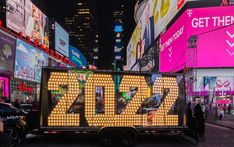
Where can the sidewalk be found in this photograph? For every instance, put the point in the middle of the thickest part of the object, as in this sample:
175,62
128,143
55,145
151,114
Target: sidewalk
228,121
227,124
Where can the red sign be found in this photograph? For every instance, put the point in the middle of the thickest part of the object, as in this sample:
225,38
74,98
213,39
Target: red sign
180,4
24,87
223,101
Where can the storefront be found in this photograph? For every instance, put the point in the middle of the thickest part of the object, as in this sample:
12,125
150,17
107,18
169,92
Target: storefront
24,91
214,88
7,57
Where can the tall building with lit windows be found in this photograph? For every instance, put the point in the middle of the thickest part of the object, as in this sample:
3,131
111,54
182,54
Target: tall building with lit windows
82,28
118,35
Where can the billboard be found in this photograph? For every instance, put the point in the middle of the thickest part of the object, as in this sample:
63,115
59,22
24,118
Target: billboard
61,40
7,52
223,47
77,57
209,26
157,14
15,15
29,61
23,16
173,45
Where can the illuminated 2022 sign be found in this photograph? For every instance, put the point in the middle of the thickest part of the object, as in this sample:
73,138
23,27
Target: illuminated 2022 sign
60,117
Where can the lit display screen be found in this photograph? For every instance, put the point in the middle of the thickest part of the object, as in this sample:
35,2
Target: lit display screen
61,40
154,18
23,16
138,100
29,61
209,26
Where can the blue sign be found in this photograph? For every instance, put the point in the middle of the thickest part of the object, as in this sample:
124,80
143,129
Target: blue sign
29,61
118,28
77,57
61,40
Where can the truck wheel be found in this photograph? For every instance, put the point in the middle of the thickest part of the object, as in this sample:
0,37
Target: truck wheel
12,133
106,137
128,137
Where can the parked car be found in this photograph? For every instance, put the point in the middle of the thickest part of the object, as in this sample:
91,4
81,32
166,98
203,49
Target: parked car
14,121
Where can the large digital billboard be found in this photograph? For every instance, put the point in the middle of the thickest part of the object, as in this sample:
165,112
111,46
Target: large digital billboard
7,52
61,40
23,16
212,26
155,17
216,49
15,15
77,57
173,46
29,61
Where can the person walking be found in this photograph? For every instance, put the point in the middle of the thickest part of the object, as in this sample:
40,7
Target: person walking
189,115
229,109
199,115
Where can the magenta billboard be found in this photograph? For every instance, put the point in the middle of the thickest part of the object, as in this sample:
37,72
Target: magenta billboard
216,49
215,45
173,47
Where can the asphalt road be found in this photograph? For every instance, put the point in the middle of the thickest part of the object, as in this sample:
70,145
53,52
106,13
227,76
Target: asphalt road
215,137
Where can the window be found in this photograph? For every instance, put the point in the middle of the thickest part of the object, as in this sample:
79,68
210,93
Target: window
4,108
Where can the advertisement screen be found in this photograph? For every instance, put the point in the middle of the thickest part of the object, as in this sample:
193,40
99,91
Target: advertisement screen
29,62
7,52
61,40
212,24
23,16
173,46
52,62
15,15
77,57
218,54
155,17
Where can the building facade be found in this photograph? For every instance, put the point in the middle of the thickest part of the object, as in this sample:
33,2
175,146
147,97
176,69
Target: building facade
82,28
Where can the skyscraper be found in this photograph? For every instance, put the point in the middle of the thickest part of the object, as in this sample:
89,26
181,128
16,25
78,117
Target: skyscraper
78,18
118,24
82,27
123,25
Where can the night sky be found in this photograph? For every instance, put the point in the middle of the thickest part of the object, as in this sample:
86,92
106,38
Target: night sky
58,9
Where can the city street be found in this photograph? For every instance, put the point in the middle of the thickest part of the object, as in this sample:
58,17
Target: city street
215,136
134,72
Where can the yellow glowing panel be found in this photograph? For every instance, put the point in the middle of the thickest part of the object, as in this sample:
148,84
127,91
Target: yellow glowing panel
93,81
58,116
161,117
129,116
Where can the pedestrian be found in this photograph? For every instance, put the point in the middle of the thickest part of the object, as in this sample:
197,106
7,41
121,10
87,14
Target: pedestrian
189,115
221,114
229,109
199,115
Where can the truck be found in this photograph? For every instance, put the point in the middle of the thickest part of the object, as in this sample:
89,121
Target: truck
114,105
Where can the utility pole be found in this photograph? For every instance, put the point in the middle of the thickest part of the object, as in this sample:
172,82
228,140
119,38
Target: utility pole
192,58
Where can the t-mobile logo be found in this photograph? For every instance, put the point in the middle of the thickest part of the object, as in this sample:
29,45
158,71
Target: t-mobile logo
190,12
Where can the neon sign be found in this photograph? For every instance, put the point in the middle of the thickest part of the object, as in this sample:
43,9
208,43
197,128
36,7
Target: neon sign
23,87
